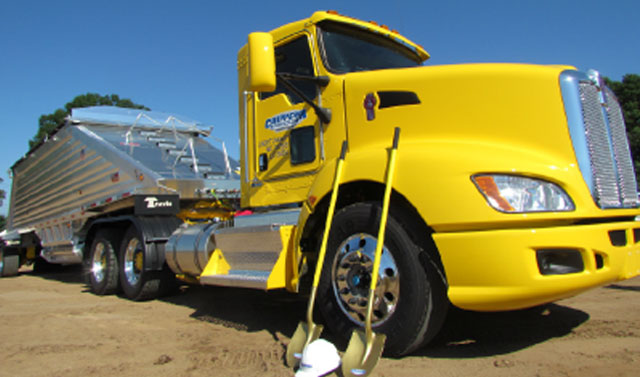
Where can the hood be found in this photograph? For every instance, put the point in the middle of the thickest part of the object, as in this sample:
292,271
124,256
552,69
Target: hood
498,104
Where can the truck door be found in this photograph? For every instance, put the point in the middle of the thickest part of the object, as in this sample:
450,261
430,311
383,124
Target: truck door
287,131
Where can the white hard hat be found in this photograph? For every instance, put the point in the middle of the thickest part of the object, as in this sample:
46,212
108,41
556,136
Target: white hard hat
318,358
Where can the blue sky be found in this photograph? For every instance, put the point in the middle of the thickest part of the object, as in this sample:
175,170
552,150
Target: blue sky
180,57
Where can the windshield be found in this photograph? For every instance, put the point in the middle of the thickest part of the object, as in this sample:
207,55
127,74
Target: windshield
350,49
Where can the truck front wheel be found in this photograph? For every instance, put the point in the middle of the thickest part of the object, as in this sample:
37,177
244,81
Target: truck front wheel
103,263
410,298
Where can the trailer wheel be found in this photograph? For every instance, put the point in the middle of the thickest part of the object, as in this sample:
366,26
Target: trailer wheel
137,284
103,263
9,264
410,299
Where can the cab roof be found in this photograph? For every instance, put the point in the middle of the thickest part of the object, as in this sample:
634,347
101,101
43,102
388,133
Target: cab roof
372,26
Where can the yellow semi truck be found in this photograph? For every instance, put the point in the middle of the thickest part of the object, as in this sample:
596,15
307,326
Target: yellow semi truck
514,187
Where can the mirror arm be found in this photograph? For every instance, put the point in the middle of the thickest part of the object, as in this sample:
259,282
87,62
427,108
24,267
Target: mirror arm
321,81
323,113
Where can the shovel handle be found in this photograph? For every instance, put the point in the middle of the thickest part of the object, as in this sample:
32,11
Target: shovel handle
332,207
396,138
327,228
383,225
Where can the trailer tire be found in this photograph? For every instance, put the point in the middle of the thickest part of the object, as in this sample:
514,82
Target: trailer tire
411,298
9,264
138,284
103,263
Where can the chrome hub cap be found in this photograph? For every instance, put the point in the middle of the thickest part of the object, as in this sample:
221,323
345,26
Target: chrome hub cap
99,263
351,280
133,260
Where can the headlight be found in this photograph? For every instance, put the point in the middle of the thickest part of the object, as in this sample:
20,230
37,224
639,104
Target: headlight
514,194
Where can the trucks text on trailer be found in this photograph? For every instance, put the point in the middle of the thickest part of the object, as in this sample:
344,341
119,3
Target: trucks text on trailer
514,185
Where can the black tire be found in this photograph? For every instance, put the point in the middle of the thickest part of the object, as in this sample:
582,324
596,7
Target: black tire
9,263
138,284
102,265
412,293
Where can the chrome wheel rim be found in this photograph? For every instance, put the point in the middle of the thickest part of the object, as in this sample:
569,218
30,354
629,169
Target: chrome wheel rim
351,280
133,260
99,263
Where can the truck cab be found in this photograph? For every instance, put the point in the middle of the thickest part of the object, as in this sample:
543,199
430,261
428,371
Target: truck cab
285,142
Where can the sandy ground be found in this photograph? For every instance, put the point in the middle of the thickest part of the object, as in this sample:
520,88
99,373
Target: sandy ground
50,325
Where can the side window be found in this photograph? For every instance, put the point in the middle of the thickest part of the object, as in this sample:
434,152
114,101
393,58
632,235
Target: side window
303,147
294,57
302,143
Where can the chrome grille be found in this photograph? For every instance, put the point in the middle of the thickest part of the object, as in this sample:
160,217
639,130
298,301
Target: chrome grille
622,153
599,139
602,166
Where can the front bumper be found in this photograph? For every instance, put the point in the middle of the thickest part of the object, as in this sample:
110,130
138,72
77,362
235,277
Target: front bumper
498,269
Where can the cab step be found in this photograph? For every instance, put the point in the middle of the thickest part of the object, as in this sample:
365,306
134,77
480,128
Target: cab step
239,278
251,255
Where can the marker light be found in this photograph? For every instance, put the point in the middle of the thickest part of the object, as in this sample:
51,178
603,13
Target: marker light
516,194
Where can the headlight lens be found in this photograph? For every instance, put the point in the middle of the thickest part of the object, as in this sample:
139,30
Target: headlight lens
516,194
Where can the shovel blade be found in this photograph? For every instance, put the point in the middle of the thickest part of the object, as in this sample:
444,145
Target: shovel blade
305,333
362,354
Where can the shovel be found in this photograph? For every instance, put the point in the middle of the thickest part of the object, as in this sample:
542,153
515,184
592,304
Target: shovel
365,348
309,331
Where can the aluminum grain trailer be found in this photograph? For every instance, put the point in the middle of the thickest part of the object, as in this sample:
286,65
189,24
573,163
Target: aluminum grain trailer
115,181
